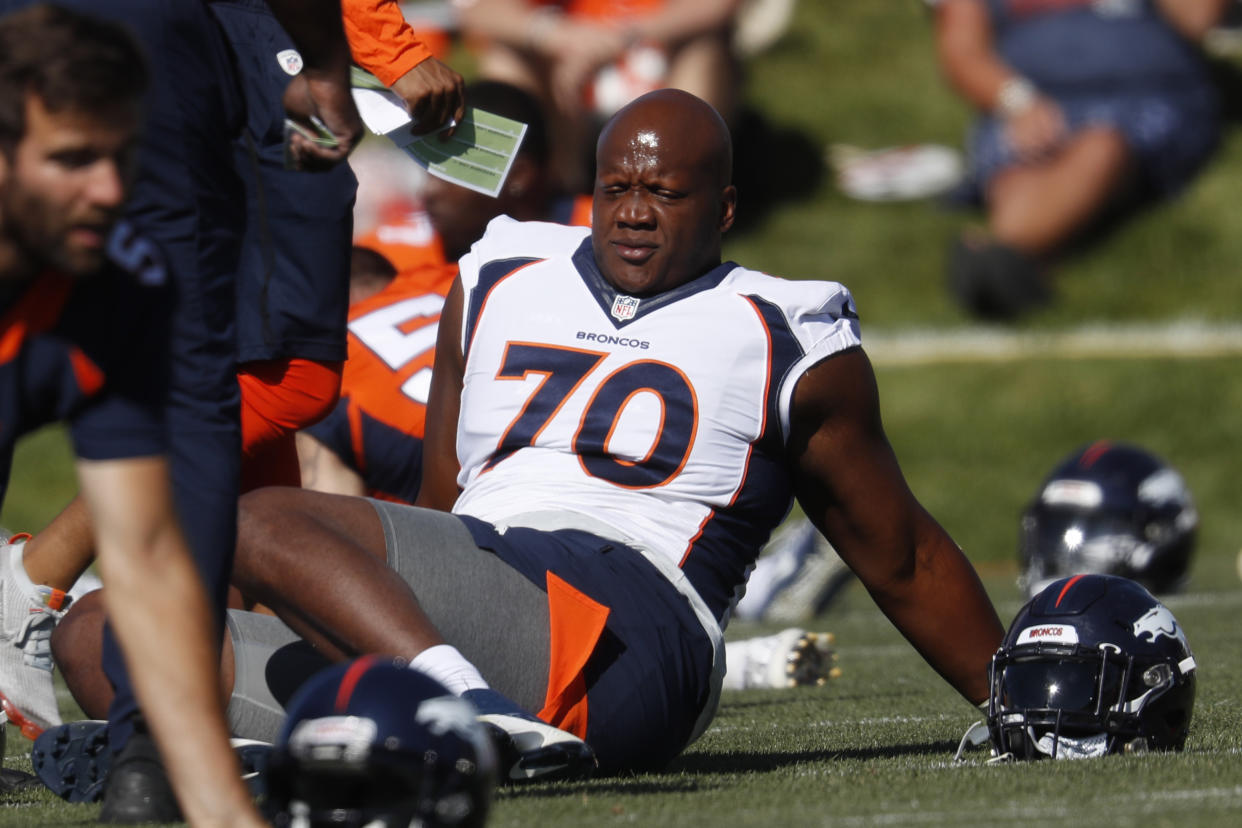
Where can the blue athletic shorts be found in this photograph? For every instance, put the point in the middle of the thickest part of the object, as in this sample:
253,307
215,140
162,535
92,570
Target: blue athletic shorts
647,677
1170,136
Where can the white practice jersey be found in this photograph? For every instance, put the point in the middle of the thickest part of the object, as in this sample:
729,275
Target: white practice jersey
663,417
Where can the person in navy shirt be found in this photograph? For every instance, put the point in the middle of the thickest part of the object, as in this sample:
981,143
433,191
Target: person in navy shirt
82,306
1085,105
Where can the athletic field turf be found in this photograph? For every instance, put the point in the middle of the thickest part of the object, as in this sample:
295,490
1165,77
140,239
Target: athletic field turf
1142,345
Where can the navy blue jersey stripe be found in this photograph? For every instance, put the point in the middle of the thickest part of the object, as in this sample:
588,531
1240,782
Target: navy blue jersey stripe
731,538
785,353
490,274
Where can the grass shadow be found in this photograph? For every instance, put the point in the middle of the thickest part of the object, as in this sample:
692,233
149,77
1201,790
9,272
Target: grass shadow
772,164
760,762
696,772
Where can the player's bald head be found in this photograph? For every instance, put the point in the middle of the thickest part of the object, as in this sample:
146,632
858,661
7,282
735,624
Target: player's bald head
671,116
662,193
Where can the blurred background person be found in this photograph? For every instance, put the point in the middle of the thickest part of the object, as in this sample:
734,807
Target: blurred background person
585,59
1085,105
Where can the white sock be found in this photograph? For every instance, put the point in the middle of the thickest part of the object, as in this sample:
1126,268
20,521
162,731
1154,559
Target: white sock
449,667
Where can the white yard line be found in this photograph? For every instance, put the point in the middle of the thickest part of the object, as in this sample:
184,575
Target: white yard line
1147,803
1178,339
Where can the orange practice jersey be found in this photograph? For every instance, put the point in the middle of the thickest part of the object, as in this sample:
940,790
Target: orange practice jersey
606,9
391,342
380,39
392,338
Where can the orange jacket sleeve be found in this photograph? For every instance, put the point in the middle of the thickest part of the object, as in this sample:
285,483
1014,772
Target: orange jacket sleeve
380,39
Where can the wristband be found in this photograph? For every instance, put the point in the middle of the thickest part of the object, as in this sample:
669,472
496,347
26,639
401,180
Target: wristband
1016,94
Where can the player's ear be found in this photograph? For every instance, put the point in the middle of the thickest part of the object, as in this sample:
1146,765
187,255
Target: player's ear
522,178
728,206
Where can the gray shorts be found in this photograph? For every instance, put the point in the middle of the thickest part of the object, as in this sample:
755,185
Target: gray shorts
489,611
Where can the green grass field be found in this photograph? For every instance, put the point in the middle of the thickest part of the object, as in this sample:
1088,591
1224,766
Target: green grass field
875,746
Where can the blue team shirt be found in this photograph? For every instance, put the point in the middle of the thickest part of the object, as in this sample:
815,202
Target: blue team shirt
91,351
1092,47
1115,63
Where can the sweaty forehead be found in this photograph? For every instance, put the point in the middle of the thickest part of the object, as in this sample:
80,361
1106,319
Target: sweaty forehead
667,130
648,148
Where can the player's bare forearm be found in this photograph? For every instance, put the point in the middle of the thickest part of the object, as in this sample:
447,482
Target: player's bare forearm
850,485
321,91
967,54
680,20
1193,18
158,606
941,608
323,471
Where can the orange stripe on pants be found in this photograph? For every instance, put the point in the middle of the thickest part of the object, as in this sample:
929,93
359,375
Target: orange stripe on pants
577,622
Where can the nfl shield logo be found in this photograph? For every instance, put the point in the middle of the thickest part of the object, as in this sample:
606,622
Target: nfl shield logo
624,307
290,61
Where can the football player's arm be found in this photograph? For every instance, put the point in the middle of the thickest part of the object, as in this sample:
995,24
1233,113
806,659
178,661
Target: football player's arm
1034,122
967,55
159,608
848,482
322,88
440,467
324,471
676,21
1193,18
572,46
384,44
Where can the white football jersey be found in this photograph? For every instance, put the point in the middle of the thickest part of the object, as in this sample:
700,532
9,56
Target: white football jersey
663,417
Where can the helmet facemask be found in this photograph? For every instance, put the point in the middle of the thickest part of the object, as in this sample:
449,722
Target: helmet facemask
1075,701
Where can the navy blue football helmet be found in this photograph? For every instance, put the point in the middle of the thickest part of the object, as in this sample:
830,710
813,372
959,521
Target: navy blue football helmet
1109,508
374,743
1093,664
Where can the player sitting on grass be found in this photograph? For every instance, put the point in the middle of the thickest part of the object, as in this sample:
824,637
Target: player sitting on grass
617,422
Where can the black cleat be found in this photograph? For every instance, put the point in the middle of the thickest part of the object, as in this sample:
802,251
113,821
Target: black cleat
138,789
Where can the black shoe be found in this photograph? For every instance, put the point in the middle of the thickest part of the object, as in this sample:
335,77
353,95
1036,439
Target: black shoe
138,789
994,281
12,779
73,759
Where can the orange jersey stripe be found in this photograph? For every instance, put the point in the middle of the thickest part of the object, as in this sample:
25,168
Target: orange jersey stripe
37,311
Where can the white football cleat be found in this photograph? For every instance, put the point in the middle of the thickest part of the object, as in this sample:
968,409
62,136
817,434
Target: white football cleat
789,658
530,749
28,614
